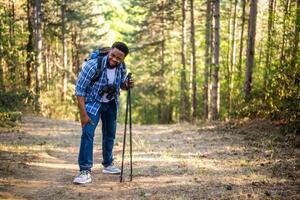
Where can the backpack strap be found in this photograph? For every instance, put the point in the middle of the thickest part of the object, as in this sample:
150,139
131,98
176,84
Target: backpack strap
99,70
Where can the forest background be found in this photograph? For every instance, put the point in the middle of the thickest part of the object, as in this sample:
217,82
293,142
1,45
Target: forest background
191,60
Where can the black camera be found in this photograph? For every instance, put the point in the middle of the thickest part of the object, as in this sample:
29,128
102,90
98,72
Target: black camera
110,89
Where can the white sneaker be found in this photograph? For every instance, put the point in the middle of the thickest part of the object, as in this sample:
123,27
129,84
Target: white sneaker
111,170
83,177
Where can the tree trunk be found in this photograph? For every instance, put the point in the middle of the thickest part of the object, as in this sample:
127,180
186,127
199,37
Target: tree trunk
250,49
243,17
46,65
295,50
194,75
228,61
261,49
212,41
75,49
232,60
162,108
215,88
282,54
269,44
184,105
2,88
51,66
38,51
207,58
12,48
1,72
30,45
1,75
63,41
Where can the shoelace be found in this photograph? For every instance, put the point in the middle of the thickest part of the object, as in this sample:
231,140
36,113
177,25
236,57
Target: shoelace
83,172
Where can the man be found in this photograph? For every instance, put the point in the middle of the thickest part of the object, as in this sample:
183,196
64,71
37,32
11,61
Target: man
100,101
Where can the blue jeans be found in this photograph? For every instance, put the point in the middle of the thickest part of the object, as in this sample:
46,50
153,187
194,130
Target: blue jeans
108,115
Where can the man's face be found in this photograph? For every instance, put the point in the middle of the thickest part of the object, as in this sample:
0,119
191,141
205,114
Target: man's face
115,57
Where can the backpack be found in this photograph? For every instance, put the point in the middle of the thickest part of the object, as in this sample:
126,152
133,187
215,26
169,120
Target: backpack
99,54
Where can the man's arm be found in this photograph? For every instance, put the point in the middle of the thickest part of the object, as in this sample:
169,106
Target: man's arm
83,114
85,77
83,82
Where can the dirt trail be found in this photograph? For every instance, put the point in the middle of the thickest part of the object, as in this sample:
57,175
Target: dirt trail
182,161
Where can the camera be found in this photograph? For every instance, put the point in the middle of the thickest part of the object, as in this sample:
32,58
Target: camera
110,89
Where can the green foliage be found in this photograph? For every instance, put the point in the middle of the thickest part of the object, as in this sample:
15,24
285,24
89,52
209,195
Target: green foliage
52,106
9,119
152,29
15,100
285,92
154,59
12,104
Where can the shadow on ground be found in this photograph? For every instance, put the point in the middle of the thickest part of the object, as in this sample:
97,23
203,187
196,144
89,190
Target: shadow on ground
182,161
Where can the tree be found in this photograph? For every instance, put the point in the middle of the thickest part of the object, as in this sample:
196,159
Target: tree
232,61
207,58
243,18
161,105
38,50
184,101
39,45
12,61
2,44
269,43
64,50
295,50
194,75
215,87
30,44
250,49
284,35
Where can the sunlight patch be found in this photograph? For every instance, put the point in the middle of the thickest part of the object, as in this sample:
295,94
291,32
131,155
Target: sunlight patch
58,165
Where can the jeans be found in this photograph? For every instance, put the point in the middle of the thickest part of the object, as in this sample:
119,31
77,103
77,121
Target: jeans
108,115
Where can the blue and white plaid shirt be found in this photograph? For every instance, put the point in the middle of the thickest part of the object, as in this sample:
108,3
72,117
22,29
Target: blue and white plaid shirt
91,94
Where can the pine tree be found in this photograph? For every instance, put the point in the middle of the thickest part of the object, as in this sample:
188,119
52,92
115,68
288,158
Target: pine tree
215,95
250,49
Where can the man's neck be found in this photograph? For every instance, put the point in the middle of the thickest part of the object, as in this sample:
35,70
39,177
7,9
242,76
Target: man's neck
111,67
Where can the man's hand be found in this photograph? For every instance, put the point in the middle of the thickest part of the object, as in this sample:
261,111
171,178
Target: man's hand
130,82
85,120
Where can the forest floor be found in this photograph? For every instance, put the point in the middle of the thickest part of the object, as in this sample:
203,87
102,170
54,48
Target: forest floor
232,160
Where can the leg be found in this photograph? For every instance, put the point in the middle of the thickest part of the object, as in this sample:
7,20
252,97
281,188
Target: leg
85,159
109,122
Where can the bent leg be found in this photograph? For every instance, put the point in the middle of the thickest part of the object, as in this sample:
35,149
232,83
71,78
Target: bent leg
85,159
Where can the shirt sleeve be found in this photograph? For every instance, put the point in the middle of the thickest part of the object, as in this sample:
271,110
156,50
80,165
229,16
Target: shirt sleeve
85,77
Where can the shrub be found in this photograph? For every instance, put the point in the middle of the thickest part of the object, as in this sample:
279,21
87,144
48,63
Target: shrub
9,119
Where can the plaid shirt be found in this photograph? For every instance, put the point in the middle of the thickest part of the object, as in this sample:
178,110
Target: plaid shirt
91,94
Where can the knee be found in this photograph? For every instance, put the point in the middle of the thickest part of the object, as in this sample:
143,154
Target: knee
88,134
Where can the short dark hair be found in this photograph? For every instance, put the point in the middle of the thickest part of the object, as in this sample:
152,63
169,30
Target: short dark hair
121,46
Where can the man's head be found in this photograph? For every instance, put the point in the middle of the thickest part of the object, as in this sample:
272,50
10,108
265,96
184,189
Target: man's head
119,51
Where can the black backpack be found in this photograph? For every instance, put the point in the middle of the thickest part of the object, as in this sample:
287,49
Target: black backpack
99,54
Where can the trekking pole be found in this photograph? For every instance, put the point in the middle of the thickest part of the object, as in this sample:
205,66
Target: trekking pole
124,142
130,127
126,119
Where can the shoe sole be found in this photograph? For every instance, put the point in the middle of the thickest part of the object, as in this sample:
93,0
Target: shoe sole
79,183
109,172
